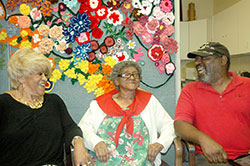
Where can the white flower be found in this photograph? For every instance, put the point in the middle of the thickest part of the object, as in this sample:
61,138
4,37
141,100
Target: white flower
169,18
121,56
35,14
115,17
36,38
146,7
131,45
156,2
93,4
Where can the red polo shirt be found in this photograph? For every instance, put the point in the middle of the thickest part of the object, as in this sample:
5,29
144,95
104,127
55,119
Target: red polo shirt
224,117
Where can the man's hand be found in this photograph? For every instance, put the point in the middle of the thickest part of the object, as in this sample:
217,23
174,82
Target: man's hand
102,152
81,155
213,151
153,150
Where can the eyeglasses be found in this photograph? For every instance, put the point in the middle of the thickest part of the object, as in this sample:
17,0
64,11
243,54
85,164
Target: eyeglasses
128,75
207,57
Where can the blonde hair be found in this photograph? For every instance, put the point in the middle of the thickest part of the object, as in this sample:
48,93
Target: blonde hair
25,62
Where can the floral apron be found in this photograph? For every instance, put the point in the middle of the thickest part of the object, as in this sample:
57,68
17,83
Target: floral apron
132,150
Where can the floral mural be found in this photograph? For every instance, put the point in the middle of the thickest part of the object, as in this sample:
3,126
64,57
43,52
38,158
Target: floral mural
84,39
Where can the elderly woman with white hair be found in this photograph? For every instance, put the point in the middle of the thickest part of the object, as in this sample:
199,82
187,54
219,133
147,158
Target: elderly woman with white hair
34,126
121,127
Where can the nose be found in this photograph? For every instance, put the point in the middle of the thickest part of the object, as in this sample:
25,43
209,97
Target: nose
44,77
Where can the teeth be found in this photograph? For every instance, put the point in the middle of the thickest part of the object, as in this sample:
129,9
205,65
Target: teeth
42,84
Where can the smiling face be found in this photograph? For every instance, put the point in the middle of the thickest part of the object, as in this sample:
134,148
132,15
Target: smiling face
34,84
209,68
129,79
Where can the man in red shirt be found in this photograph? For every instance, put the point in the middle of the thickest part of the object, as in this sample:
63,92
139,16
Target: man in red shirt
214,112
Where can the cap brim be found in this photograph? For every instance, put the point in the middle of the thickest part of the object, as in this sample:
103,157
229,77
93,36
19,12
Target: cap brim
196,53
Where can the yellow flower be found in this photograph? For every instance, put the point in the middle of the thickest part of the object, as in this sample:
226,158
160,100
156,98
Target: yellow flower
81,79
110,61
14,42
64,64
24,9
25,44
90,86
95,78
99,92
24,33
56,75
84,66
70,73
3,35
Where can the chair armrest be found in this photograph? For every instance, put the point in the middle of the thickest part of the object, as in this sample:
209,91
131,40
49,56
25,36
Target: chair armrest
179,151
191,152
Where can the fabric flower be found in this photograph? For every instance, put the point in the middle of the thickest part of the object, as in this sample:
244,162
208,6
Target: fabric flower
94,22
81,78
80,23
170,68
24,9
155,52
70,34
82,51
35,14
145,7
143,20
61,46
68,51
55,75
24,21
14,20
109,41
152,25
128,23
83,66
61,7
170,30
131,45
114,17
93,4
70,3
46,45
158,13
3,35
25,44
64,64
71,73
110,61
169,18
83,38
139,29
161,68
165,58
164,37
138,55
113,4
147,38
126,7
121,56
101,12
171,46
46,9
166,5
43,30
66,18
56,32
97,33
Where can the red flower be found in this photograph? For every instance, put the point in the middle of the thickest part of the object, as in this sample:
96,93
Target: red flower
84,8
94,45
94,22
109,41
97,33
155,52
101,12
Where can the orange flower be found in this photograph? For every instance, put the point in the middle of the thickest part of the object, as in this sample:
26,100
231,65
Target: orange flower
106,69
37,3
46,9
14,20
24,21
106,84
93,68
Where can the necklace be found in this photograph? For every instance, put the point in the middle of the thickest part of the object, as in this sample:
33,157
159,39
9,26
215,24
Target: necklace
34,104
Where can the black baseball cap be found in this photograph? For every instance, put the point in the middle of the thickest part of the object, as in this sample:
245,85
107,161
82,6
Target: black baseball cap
210,48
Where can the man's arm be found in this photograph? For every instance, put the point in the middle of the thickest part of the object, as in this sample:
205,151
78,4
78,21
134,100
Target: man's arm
213,151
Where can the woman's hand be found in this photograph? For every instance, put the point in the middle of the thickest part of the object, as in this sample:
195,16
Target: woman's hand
102,152
153,150
81,155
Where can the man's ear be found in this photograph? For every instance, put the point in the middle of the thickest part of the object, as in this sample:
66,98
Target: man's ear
224,60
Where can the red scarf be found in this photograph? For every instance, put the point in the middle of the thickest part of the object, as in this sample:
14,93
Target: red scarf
111,108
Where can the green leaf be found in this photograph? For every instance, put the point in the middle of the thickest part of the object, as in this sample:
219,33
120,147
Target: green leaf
57,60
73,81
63,77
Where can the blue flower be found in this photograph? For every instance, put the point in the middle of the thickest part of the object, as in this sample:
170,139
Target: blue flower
80,23
82,51
70,34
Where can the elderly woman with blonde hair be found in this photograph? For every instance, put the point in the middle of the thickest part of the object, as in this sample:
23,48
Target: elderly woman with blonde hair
34,126
121,127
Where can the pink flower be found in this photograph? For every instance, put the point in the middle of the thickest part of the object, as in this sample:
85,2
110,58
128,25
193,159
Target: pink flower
152,25
139,29
161,68
165,58
139,139
170,30
129,34
168,19
166,5
43,30
24,21
157,13
56,32
46,45
170,68
171,46
147,38
164,37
